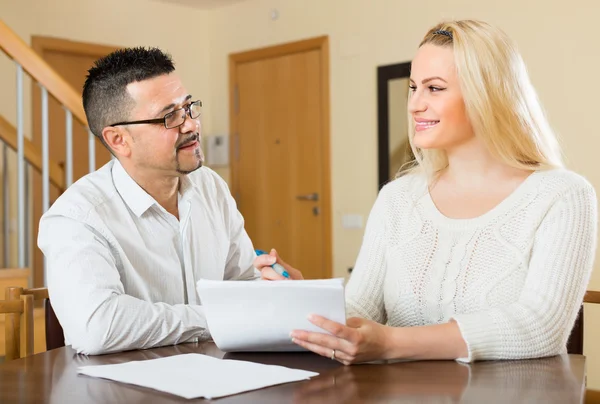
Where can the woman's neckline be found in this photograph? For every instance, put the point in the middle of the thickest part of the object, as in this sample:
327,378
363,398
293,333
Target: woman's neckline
505,204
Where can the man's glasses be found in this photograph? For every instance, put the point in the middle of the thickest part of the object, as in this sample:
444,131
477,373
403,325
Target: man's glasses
174,118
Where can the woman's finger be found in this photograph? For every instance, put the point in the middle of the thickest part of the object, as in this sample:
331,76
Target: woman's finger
321,339
327,352
333,327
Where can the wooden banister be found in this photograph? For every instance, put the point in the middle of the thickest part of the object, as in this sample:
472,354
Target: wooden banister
41,71
8,134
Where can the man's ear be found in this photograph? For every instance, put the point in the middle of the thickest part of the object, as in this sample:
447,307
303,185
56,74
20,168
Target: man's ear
118,139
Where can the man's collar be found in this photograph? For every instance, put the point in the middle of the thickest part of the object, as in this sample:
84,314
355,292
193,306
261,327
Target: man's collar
138,200
185,186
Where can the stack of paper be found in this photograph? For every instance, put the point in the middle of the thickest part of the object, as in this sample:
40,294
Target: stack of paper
259,316
196,375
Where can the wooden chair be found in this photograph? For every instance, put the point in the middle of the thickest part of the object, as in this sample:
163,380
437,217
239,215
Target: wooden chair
18,318
55,337
575,343
53,333
592,397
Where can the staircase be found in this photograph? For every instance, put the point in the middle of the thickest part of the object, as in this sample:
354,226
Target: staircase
20,158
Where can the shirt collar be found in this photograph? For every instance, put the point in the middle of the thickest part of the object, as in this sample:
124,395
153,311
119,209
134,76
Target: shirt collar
138,200
185,187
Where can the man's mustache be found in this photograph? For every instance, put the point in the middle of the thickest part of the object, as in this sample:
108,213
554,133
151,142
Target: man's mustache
195,137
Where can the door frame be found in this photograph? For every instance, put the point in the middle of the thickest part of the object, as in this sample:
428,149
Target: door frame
41,44
320,44
385,74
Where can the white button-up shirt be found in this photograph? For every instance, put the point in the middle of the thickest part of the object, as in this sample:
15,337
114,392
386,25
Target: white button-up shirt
121,270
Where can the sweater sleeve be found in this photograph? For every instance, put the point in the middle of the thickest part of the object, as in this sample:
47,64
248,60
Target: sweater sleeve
364,292
538,324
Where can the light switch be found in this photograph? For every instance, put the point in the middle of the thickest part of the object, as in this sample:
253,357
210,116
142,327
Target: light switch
217,151
352,221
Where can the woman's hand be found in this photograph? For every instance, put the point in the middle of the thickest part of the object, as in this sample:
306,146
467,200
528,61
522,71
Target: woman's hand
263,264
359,341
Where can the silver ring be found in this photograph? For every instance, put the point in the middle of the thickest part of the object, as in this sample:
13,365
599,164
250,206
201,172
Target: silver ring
333,354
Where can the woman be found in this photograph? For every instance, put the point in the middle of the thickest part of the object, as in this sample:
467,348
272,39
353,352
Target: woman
484,248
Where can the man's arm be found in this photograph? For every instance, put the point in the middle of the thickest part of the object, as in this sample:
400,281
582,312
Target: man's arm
241,255
90,301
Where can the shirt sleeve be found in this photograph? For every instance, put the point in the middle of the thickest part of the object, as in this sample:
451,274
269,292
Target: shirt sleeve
241,255
89,298
364,291
540,322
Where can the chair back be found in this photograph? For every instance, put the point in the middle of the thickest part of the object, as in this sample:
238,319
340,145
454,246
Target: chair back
53,331
18,319
575,342
55,338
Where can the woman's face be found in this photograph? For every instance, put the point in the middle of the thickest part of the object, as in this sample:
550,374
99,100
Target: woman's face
436,103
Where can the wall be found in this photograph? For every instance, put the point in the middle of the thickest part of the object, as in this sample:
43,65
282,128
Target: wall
560,53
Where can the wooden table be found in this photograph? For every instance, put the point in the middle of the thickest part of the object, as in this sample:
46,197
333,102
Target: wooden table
51,377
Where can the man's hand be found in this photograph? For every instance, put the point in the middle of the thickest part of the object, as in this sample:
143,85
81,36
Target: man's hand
263,264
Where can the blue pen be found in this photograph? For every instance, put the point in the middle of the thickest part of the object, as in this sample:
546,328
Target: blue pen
277,267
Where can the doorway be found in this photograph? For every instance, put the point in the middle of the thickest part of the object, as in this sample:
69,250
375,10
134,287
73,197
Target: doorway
280,171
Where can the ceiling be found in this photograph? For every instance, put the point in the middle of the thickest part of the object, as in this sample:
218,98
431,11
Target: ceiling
204,4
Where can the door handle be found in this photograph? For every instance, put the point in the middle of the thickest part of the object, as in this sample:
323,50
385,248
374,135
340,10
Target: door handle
308,197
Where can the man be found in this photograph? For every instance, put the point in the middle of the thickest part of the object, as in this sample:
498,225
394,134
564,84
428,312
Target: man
126,244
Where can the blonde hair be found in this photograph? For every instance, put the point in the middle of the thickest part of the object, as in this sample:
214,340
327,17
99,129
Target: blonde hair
501,103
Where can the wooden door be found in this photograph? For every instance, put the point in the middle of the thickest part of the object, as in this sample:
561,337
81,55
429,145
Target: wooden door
72,61
280,154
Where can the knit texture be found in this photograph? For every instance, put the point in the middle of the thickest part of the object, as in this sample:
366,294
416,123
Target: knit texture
513,278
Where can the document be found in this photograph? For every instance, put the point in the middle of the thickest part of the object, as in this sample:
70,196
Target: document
259,315
197,375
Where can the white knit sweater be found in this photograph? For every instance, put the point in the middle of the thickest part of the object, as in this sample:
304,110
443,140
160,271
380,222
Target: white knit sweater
513,279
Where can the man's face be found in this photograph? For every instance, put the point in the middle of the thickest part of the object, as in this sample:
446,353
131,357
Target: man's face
153,147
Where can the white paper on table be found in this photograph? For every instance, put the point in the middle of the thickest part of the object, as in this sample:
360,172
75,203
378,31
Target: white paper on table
259,315
197,375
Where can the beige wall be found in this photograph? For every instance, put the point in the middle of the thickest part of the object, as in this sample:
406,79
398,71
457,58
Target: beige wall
560,52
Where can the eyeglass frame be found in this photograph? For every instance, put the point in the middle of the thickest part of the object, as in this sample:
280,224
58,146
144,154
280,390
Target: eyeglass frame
163,120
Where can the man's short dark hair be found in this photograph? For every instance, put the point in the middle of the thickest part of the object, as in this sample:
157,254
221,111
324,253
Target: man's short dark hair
105,96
